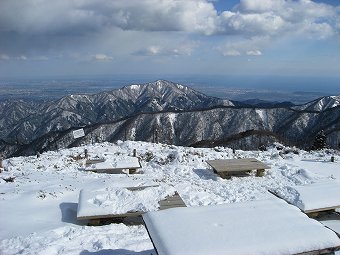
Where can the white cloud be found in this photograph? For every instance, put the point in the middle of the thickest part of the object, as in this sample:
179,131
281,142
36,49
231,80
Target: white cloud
254,53
231,52
181,49
22,57
259,6
241,47
195,16
102,57
64,24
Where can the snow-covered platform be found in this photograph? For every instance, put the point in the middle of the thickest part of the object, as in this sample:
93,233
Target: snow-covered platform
114,165
256,227
316,197
331,221
229,167
112,202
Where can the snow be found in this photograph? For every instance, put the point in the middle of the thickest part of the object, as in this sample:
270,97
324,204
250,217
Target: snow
113,201
263,115
134,86
172,118
269,226
38,211
314,196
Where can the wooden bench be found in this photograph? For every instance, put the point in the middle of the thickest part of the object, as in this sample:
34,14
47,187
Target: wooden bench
236,167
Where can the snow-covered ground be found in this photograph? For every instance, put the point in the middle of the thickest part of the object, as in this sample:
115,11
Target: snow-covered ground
38,209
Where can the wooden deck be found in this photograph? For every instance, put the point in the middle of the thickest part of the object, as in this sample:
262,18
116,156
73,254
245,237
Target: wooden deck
236,167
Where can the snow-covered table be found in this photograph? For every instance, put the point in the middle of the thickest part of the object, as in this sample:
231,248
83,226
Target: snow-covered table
229,167
316,197
118,202
269,226
114,165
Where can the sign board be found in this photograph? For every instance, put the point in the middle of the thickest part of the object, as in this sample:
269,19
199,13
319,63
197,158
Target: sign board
78,133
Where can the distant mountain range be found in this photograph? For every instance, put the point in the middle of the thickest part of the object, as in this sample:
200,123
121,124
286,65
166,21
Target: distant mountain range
164,112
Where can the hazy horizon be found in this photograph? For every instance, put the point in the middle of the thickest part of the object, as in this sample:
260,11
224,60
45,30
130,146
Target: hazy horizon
295,89
271,43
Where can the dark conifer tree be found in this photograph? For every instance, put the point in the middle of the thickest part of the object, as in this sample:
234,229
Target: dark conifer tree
320,141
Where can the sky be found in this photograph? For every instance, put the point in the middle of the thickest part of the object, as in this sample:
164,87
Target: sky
283,38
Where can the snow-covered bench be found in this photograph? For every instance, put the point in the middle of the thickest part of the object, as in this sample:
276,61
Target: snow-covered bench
312,198
229,167
113,165
118,202
269,226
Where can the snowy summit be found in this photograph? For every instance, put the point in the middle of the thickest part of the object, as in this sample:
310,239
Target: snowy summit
39,195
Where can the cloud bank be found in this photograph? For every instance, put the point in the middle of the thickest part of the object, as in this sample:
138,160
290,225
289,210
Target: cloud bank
39,26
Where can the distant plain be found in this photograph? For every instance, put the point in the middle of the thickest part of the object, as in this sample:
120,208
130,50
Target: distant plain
297,90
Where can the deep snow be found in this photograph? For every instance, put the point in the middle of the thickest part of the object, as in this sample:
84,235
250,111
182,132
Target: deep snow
38,210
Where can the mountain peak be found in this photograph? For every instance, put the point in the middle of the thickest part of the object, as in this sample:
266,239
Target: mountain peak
322,103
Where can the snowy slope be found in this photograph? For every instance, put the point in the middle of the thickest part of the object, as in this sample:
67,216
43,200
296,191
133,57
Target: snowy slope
321,104
38,210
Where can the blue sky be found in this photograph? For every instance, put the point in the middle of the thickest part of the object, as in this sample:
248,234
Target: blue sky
283,38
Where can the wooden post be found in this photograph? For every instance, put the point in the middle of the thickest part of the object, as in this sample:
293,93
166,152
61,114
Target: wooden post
132,171
332,159
134,152
260,172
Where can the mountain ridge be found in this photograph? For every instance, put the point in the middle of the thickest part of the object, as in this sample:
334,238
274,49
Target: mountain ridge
130,102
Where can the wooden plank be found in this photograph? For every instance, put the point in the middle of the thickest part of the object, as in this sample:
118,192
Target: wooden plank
319,252
109,216
332,208
171,202
131,170
94,161
141,187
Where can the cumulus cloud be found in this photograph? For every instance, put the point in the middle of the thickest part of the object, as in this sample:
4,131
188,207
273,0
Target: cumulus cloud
44,24
197,16
86,16
184,49
254,53
241,47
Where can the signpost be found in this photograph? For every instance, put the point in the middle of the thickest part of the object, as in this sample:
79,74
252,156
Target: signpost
78,133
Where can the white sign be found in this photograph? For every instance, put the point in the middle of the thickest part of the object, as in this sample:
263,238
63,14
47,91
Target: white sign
78,133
